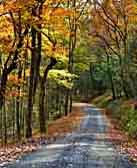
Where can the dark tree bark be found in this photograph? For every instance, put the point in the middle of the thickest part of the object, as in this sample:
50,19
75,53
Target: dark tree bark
18,89
39,47
3,82
66,102
18,106
110,77
13,65
5,123
72,45
42,113
57,97
31,85
35,66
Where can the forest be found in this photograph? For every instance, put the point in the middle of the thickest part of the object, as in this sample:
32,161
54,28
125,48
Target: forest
56,52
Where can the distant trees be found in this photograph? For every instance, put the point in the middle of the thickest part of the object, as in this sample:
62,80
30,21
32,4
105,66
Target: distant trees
109,36
112,27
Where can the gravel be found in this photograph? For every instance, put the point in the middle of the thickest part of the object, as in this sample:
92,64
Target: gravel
85,148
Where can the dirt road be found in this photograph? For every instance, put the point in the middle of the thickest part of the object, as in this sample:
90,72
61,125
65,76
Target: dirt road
85,148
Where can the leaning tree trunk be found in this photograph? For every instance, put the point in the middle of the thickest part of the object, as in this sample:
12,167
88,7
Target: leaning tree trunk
42,113
12,62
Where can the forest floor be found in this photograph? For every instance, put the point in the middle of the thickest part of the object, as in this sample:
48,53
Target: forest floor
56,129
89,146
127,144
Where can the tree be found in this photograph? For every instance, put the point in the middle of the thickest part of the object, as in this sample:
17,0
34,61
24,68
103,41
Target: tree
114,34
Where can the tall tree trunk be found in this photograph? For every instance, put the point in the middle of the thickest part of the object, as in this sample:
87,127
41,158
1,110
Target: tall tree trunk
5,123
110,76
123,81
57,97
43,82
124,66
18,105
91,68
3,83
72,45
39,48
31,86
66,102
35,66
42,113
71,101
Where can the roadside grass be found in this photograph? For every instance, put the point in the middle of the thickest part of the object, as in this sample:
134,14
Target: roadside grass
121,110
102,100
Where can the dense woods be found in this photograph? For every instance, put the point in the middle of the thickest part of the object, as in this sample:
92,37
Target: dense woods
54,52
38,39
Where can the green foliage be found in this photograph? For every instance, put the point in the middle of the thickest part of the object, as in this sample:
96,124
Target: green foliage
126,115
129,121
62,77
120,110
